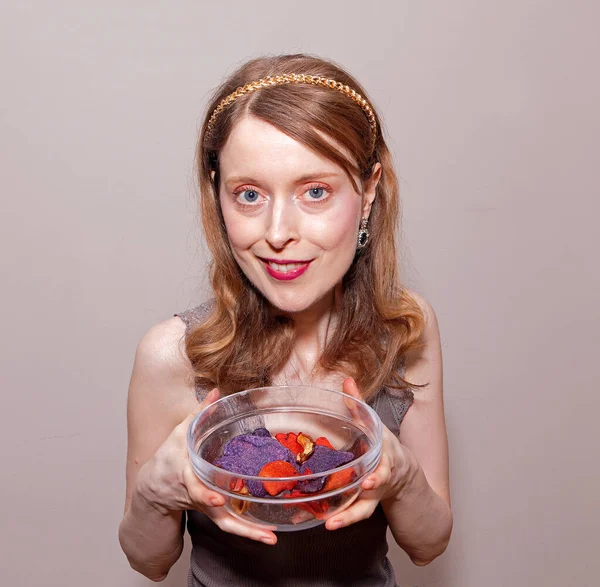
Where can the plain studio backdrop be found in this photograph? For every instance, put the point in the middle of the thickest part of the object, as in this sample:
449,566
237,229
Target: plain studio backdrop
491,110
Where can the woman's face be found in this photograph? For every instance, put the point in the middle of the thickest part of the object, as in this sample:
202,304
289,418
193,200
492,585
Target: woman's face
292,216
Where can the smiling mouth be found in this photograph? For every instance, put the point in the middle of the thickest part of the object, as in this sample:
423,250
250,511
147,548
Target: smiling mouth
285,266
285,269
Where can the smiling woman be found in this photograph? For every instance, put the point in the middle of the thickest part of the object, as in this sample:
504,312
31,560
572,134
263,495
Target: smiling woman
300,207
284,221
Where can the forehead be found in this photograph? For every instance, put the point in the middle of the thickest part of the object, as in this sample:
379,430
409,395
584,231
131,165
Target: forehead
257,147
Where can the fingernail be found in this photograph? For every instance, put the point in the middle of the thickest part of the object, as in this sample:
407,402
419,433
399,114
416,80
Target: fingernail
216,501
369,484
267,540
335,525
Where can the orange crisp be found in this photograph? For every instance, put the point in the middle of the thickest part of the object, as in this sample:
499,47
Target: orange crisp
339,479
278,469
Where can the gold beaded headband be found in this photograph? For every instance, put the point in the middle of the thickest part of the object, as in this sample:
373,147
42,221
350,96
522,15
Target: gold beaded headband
296,78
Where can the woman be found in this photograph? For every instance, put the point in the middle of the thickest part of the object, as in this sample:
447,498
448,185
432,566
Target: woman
300,205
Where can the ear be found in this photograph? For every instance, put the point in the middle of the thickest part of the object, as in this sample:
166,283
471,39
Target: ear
371,189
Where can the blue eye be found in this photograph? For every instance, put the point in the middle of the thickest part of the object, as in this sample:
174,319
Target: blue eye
316,193
250,195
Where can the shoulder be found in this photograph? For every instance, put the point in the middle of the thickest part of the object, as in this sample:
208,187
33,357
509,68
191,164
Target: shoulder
161,360
426,308
421,361
162,347
162,375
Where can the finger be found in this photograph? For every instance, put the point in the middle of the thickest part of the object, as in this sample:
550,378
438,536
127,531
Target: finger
380,476
349,387
211,397
362,509
229,523
199,494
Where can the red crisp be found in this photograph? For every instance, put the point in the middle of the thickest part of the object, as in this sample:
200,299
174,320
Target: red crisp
317,507
290,441
237,485
322,441
278,469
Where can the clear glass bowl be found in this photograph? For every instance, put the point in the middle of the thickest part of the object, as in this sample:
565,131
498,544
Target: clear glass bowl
348,424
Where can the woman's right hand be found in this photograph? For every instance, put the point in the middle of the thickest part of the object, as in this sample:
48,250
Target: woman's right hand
168,483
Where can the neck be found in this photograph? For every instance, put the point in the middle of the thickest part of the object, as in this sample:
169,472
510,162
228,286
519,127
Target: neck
311,324
313,327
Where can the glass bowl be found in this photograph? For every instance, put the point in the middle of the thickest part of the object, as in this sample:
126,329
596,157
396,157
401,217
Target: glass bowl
349,424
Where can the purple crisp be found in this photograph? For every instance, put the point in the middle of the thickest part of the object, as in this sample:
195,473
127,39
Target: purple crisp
324,459
311,485
247,454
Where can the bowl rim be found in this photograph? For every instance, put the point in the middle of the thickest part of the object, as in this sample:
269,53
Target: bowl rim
376,448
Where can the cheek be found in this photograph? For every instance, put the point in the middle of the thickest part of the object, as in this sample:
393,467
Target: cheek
242,231
335,229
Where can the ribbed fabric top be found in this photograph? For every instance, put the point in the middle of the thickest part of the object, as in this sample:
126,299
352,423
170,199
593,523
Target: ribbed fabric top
354,556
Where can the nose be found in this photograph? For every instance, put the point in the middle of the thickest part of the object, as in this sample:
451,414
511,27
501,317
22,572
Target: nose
283,226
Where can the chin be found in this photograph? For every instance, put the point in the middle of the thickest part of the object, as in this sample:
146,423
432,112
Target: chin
292,303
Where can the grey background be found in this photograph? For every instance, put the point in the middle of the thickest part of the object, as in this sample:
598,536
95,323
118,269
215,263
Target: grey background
491,111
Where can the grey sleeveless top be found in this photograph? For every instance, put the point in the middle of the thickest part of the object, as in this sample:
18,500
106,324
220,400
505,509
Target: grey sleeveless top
354,556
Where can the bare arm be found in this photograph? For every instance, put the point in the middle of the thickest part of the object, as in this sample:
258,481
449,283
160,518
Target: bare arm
419,515
159,398
411,480
160,480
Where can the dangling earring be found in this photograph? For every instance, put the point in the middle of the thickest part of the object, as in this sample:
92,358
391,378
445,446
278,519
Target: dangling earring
363,234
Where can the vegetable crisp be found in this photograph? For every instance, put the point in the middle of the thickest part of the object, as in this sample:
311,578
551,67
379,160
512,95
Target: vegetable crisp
285,456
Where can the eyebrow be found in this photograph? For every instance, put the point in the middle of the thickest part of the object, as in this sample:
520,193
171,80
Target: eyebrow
297,181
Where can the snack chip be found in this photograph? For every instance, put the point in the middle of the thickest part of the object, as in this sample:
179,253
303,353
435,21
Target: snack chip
248,454
278,469
322,441
308,447
324,458
286,455
339,479
290,441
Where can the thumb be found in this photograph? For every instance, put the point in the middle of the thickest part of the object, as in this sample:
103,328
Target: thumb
211,397
349,387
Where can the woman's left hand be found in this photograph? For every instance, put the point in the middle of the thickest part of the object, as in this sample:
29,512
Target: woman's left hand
386,481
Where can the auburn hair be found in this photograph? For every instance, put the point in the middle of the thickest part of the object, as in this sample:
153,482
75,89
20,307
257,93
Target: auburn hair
243,343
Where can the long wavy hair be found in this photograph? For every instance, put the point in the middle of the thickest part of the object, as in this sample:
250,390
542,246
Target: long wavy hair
243,343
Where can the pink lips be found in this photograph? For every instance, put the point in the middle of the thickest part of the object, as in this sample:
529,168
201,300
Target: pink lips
288,275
